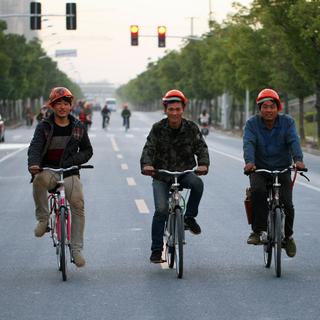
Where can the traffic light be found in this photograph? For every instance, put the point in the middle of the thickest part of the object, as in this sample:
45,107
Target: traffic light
162,36
35,18
71,15
134,30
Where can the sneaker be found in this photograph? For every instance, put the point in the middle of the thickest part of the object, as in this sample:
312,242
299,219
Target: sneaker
78,258
41,228
156,256
191,224
290,247
254,238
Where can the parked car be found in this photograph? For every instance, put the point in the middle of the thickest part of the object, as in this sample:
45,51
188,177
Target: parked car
2,129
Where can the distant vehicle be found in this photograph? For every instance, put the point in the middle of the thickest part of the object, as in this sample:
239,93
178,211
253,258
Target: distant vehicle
2,129
112,104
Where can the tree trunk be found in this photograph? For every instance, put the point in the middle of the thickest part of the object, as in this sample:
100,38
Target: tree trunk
301,120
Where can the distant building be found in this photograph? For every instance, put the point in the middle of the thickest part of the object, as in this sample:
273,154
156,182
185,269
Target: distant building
18,25
97,91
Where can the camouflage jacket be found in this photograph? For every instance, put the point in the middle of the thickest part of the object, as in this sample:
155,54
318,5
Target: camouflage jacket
174,149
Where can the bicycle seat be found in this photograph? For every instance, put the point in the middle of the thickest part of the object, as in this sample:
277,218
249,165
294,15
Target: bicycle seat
55,189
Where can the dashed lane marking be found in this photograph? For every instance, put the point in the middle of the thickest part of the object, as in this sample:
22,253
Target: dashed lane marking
142,206
114,144
131,182
124,166
119,156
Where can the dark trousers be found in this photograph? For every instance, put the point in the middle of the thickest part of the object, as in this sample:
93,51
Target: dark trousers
259,194
161,196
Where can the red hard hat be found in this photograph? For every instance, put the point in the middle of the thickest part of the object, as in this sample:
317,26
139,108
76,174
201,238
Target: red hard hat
269,95
59,92
174,96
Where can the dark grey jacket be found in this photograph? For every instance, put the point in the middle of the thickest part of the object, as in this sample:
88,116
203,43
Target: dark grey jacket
174,150
78,149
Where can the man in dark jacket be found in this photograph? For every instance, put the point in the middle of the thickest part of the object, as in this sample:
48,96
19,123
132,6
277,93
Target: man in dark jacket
60,141
172,144
271,142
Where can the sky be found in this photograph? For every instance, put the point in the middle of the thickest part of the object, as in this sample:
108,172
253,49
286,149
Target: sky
102,38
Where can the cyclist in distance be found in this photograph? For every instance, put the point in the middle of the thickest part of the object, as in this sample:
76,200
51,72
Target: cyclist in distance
60,141
105,113
172,144
271,142
126,114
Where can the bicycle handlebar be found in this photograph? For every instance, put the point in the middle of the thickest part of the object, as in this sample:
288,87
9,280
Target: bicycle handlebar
276,171
85,166
176,173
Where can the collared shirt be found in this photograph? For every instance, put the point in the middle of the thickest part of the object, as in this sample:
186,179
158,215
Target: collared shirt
274,148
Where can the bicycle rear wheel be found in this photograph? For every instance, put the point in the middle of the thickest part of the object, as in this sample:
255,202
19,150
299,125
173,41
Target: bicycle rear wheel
179,242
277,241
170,248
63,244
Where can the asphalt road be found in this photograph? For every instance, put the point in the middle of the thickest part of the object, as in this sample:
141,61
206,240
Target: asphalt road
224,278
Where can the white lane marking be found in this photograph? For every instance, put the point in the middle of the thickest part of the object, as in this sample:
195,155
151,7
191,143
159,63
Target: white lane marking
12,154
10,146
307,185
114,144
124,166
131,182
17,137
119,156
142,206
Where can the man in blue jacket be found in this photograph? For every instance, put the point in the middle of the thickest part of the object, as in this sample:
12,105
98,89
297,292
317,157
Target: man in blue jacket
271,142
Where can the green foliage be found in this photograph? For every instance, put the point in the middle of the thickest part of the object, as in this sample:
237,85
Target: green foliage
26,71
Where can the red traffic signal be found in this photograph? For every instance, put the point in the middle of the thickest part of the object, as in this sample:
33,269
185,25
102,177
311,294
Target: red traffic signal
134,30
162,36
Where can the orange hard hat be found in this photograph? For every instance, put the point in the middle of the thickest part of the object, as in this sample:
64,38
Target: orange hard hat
58,93
269,95
174,96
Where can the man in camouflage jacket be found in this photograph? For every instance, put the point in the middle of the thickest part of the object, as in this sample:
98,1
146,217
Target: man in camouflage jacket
174,144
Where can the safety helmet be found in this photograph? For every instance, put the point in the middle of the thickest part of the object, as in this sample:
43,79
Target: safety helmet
268,95
58,93
174,96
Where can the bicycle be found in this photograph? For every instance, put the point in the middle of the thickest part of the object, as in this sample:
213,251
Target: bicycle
273,238
174,233
60,219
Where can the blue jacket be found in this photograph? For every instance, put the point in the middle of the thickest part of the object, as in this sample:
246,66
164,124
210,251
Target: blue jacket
274,148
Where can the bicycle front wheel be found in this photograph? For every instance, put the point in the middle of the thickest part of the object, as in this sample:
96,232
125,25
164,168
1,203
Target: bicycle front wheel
170,248
267,246
179,242
63,244
277,241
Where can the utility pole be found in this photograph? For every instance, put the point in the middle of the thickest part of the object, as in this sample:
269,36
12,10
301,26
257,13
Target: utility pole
191,25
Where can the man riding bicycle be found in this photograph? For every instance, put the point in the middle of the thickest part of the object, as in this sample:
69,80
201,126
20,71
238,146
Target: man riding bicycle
271,142
172,144
60,141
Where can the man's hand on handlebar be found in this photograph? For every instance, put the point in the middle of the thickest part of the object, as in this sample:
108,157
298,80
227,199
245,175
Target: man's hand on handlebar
202,170
299,165
250,167
148,171
34,169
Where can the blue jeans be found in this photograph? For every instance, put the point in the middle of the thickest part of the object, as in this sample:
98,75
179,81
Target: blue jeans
161,196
